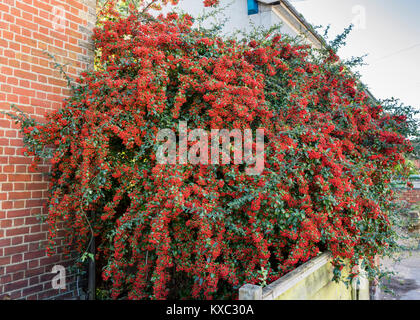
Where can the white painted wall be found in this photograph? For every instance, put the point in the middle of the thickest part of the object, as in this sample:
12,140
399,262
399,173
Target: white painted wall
237,15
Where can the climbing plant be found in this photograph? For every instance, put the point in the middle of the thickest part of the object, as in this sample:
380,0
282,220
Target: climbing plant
202,230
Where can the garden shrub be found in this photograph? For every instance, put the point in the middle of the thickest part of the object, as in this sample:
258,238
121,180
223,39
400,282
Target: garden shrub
202,231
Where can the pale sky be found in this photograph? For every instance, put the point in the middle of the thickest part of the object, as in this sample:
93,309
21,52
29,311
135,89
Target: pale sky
387,30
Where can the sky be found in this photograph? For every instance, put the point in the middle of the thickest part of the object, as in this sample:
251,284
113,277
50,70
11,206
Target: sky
387,30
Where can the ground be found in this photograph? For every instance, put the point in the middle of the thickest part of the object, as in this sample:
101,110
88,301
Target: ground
405,283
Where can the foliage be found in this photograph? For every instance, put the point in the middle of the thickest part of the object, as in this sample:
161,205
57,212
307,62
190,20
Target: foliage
202,231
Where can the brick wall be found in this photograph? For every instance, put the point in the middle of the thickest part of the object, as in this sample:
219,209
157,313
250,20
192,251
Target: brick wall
28,79
411,196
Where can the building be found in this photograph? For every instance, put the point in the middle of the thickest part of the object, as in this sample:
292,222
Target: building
29,80
244,14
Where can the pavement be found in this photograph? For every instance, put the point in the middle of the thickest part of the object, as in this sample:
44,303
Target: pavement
405,283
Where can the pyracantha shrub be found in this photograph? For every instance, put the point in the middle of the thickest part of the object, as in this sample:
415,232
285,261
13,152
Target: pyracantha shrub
202,231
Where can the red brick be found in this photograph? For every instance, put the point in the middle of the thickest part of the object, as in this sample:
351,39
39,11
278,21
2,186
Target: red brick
47,293
20,160
15,250
16,267
18,213
20,177
19,195
18,204
5,279
36,186
19,186
32,290
31,220
6,223
35,237
17,240
32,297
18,222
24,74
18,276
5,261
17,258
50,260
34,254
35,272
16,285
33,264
16,231
30,9
33,280
4,243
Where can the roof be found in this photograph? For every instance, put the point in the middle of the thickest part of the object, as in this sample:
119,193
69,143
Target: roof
308,28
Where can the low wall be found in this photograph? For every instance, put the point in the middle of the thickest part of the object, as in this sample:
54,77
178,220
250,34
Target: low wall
411,195
310,281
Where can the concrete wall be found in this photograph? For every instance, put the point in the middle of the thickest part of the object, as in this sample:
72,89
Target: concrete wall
310,281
